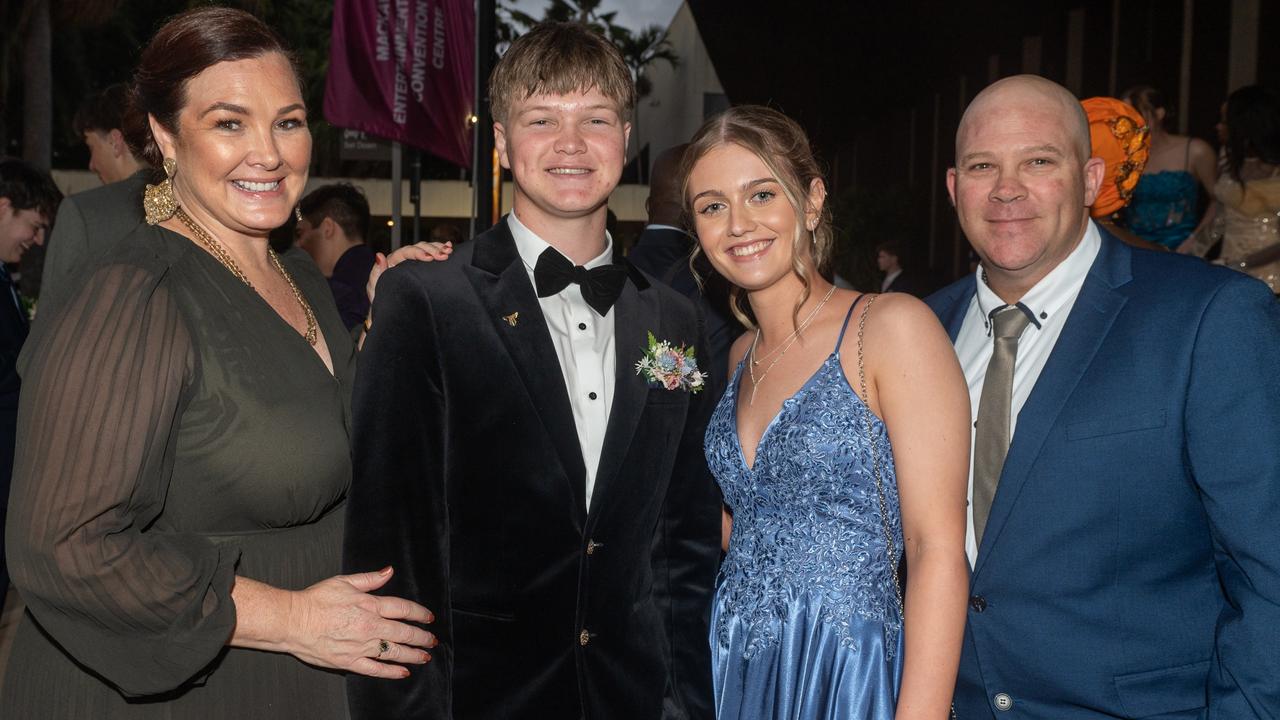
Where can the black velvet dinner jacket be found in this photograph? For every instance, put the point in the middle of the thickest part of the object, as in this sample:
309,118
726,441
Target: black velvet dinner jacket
469,480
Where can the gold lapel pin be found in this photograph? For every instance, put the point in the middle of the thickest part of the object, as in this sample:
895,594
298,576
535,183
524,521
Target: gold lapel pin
512,319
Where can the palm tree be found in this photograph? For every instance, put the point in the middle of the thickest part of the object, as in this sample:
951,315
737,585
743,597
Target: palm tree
509,24
586,12
642,50
32,32
37,91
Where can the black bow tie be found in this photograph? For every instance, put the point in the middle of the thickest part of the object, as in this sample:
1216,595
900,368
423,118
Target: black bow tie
601,286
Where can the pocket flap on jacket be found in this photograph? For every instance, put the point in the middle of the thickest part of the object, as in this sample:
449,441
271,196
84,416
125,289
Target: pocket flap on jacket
1116,424
1155,692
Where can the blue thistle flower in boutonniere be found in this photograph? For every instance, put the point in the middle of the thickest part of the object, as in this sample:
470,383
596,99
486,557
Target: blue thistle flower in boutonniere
670,367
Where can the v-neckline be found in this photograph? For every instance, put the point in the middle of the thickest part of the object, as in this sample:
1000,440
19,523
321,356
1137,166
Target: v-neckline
737,394
263,305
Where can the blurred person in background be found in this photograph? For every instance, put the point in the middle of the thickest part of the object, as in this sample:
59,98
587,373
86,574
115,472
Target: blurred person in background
28,199
1120,137
1247,193
896,278
90,222
664,250
99,121
445,234
334,225
1163,209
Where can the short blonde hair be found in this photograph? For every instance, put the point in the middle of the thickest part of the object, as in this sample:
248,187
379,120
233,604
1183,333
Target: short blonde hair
558,58
783,147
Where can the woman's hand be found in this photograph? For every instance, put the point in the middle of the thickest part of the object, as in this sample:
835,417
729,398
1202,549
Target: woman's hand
423,252
337,624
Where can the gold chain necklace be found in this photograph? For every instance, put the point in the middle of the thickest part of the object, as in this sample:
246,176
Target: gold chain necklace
794,333
791,340
219,252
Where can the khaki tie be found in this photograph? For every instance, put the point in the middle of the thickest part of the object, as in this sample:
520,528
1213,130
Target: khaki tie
991,440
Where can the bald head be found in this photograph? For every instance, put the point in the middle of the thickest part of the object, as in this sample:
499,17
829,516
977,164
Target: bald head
1023,180
665,204
1027,93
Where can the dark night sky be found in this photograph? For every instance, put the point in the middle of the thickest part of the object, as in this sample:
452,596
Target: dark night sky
833,65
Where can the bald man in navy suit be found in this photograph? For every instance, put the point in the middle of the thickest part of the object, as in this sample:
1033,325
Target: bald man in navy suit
1125,564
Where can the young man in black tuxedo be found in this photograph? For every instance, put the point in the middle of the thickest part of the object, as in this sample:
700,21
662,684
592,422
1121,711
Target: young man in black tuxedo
549,504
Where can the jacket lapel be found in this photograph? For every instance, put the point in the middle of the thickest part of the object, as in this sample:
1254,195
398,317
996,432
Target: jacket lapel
952,316
502,284
636,313
1091,317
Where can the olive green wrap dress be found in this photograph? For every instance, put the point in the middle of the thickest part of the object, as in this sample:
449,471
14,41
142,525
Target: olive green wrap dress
174,432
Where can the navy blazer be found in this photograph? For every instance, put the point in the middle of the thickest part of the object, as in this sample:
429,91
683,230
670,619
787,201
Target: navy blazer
1130,565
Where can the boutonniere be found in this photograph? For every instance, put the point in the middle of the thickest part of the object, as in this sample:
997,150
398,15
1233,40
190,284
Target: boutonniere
674,368
28,307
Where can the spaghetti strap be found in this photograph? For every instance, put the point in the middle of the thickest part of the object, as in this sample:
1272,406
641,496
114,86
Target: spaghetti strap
845,326
1186,157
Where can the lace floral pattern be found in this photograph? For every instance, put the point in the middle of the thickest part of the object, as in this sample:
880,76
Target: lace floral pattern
806,518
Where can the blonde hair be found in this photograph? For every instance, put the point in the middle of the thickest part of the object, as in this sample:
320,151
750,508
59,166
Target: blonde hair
559,58
783,147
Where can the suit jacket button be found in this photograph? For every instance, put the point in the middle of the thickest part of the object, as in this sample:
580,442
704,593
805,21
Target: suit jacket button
978,603
592,546
584,637
1003,702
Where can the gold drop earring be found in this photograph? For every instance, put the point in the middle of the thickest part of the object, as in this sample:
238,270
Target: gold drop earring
158,202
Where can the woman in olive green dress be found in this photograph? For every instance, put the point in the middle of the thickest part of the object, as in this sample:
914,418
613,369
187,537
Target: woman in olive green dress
183,455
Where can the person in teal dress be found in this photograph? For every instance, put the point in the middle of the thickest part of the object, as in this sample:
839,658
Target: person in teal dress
1164,207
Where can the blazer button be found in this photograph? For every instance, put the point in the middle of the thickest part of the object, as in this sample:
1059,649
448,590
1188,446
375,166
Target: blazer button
1003,702
584,637
978,603
592,546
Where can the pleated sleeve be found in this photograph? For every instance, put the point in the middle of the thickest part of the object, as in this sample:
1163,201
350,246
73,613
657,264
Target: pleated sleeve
103,392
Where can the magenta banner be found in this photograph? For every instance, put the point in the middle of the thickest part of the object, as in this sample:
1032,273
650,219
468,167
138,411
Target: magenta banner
402,70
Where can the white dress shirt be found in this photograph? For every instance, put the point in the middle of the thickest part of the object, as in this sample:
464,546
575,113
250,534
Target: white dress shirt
584,345
888,280
1050,302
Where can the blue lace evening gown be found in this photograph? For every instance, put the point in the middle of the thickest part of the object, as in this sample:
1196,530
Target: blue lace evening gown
806,625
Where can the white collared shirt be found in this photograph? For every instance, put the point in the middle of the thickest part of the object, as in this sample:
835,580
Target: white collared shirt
584,345
888,280
659,226
1050,302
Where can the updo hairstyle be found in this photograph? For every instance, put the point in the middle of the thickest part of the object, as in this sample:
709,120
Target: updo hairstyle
783,147
185,47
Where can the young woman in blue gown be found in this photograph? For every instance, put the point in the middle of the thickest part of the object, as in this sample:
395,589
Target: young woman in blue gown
841,445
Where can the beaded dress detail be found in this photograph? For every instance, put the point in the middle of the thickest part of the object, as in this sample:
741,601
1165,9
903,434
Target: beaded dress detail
805,623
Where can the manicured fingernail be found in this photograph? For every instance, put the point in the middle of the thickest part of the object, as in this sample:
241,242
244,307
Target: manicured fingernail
431,617
385,571
432,641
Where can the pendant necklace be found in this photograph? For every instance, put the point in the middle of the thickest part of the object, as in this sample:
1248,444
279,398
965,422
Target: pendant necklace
781,350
